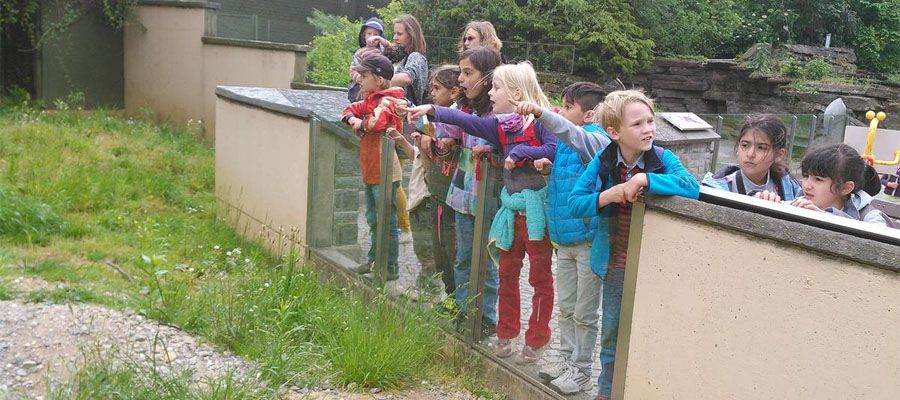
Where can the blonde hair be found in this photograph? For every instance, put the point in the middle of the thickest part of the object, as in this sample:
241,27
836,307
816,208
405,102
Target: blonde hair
486,32
522,77
611,111
414,30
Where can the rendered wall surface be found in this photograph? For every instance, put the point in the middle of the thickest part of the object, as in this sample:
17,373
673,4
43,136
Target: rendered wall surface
262,171
719,314
164,62
241,66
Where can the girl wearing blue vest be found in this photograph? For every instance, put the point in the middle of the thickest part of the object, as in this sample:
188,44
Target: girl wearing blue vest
761,151
520,225
614,180
578,288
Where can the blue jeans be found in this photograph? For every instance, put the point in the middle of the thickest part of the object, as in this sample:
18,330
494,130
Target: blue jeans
465,236
372,220
609,328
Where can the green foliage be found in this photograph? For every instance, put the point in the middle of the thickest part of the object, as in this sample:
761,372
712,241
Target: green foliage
814,69
26,220
332,50
59,15
683,27
760,61
877,41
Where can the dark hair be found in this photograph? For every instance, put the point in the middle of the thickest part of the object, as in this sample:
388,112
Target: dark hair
586,94
773,127
445,75
842,164
485,60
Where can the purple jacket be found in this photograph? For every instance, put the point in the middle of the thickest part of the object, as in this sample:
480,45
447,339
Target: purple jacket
520,178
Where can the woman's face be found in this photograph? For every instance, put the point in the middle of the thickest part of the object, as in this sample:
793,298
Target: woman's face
401,36
470,79
471,39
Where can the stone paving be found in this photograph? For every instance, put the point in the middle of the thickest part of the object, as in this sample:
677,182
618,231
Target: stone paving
409,269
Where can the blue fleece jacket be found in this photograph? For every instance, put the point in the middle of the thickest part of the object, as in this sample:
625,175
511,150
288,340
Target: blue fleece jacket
665,176
565,228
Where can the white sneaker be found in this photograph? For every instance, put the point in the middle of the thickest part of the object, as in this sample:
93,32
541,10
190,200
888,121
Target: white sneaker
406,237
503,348
553,370
572,381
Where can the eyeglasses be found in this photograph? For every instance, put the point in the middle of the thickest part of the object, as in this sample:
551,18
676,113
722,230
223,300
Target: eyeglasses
470,39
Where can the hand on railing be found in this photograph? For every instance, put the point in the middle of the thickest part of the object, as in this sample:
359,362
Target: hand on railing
543,166
768,196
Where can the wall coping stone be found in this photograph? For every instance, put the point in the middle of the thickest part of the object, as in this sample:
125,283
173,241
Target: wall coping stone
180,4
667,134
255,44
766,222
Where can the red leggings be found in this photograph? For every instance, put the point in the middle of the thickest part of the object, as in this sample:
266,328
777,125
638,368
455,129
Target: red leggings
541,279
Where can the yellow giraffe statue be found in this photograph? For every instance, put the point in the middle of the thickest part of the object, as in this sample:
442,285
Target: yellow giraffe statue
870,141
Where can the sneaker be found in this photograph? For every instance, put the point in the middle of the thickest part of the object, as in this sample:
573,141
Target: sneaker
503,348
363,269
601,397
406,237
553,370
530,355
488,329
572,381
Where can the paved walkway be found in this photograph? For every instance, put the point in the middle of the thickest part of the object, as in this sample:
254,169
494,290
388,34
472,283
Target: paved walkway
409,270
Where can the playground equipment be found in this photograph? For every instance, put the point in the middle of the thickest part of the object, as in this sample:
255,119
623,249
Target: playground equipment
870,141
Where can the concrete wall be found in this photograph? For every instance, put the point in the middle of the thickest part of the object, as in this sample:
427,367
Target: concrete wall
172,69
715,313
164,62
262,173
230,64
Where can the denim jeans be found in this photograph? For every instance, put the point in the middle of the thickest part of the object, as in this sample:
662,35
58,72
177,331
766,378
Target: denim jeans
578,296
372,219
609,329
465,236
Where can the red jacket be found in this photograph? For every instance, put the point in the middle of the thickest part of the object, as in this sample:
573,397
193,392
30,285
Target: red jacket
377,116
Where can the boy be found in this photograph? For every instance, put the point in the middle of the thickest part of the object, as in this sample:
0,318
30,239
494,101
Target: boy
370,118
577,286
615,179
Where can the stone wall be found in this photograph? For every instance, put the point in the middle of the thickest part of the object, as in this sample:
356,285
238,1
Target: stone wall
723,87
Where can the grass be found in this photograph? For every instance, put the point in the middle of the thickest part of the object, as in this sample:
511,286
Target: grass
119,194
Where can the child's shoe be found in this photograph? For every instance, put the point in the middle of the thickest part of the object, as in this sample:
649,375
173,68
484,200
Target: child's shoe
503,348
572,381
553,370
601,397
488,329
530,355
363,269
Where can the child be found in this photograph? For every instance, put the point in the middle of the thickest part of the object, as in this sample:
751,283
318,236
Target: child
373,27
614,180
370,118
890,183
432,223
577,286
520,225
833,182
761,171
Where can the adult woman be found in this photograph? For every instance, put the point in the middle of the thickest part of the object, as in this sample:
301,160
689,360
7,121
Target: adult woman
479,33
408,55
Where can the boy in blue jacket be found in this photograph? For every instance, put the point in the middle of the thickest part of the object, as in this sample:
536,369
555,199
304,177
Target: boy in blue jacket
615,179
577,287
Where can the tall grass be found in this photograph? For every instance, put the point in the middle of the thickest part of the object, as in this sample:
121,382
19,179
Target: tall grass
141,198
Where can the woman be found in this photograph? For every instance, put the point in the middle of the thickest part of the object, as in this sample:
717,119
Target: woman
408,55
479,33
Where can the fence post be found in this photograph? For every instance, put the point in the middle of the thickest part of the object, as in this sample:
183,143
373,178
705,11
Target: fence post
383,226
812,133
714,162
479,253
793,130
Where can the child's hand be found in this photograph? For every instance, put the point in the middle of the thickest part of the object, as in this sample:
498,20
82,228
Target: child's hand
394,134
415,112
447,143
424,142
803,202
527,108
508,163
768,196
634,187
481,150
356,126
543,165
615,194
375,41
892,185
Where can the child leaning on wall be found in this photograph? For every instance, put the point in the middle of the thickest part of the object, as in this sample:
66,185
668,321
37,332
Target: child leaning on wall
578,288
615,179
836,180
520,225
370,118
761,151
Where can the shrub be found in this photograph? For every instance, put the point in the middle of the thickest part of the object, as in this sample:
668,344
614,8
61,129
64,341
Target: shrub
332,50
815,69
681,27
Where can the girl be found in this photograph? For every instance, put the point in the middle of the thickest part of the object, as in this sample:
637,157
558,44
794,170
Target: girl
761,171
479,33
833,181
373,27
520,225
475,68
